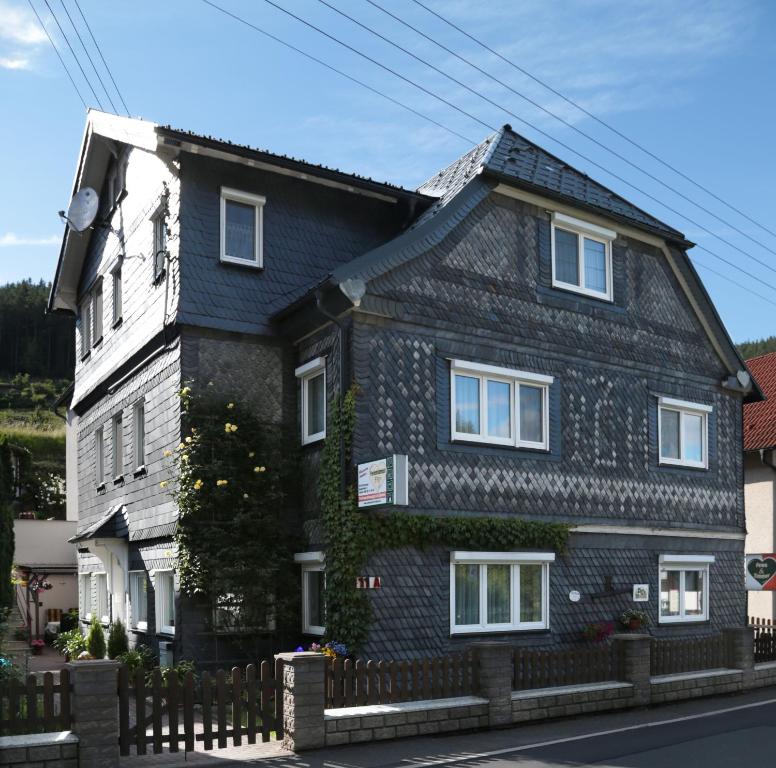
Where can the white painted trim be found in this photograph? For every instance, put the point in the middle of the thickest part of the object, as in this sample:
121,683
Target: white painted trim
312,366
404,706
685,405
310,566
686,559
305,379
699,675
502,557
560,690
682,533
309,557
246,198
585,226
163,629
510,373
586,231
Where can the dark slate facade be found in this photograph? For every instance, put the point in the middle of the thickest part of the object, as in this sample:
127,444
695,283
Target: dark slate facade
388,285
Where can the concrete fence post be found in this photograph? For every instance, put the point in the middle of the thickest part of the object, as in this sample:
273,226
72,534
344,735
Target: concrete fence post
303,690
94,707
494,661
635,661
739,648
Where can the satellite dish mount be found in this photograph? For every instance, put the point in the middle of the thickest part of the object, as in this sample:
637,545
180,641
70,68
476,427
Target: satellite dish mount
82,210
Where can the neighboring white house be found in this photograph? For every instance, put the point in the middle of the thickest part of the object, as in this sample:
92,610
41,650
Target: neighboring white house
760,476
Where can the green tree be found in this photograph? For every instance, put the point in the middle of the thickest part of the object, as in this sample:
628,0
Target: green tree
117,639
757,347
95,640
6,525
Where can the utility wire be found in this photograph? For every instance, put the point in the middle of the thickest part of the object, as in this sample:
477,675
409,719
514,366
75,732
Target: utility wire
261,31
539,106
331,68
88,55
77,61
698,265
105,63
517,117
593,117
59,55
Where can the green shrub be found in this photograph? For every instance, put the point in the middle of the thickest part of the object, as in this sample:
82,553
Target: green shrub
139,657
180,669
95,640
117,640
70,643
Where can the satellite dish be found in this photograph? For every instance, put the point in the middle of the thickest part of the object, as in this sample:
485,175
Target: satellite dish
83,209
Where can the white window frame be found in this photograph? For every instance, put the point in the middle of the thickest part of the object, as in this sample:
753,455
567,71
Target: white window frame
101,596
515,560
98,312
160,602
135,600
138,435
118,303
159,239
85,325
117,445
246,198
584,229
514,378
311,562
683,408
85,596
682,564
305,373
99,456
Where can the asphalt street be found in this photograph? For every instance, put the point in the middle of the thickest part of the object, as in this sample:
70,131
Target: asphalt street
711,733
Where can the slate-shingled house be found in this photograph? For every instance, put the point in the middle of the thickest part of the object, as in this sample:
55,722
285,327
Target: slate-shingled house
533,343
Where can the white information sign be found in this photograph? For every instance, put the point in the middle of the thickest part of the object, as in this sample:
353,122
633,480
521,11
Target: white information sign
383,481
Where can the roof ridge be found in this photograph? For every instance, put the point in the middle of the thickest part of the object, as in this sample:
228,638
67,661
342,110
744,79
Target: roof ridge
757,357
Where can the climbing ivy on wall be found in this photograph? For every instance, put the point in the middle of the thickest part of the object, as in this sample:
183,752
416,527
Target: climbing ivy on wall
6,525
351,536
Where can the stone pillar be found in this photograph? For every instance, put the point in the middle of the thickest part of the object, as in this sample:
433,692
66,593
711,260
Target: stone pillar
494,661
94,706
739,646
633,652
303,687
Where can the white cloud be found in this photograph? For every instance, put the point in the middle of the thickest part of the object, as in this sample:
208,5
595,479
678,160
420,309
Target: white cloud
10,239
19,25
14,62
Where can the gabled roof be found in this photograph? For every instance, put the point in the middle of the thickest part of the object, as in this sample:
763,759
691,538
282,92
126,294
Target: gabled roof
760,418
112,525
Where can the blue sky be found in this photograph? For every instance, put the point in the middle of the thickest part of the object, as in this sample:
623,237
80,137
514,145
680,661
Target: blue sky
690,81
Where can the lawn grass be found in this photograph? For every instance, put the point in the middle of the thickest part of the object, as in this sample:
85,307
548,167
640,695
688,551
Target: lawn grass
41,432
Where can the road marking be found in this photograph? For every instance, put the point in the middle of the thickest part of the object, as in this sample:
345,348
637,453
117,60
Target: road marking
537,745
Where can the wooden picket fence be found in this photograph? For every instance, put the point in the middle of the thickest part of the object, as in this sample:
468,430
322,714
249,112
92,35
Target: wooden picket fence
219,707
36,705
764,639
546,669
671,657
358,683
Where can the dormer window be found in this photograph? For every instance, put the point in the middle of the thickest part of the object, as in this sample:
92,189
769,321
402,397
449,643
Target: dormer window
241,227
582,257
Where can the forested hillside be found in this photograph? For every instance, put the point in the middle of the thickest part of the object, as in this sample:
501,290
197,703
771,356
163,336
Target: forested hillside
758,347
31,341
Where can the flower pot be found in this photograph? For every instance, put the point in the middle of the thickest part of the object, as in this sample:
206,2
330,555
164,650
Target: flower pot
634,624
36,650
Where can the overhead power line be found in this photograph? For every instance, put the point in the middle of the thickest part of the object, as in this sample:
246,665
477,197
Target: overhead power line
88,55
536,128
105,63
469,141
331,68
77,60
59,55
536,104
745,288
597,119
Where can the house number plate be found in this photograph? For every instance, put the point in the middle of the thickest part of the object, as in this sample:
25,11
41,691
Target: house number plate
368,582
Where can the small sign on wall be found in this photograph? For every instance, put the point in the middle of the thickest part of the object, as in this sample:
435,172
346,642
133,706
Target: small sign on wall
640,593
383,481
761,572
368,582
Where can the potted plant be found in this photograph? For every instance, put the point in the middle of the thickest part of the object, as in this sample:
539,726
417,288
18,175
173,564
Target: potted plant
633,619
598,631
37,646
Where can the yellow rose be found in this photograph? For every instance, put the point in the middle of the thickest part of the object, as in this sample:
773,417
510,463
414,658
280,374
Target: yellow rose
222,482
251,454
230,406
232,427
163,484
188,439
259,469
197,484
167,453
245,495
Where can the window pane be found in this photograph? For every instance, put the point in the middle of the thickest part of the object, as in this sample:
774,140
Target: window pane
530,593
315,598
693,593
531,414
240,231
467,594
498,409
669,593
595,265
316,405
499,594
467,405
117,295
669,434
168,589
97,313
692,437
566,257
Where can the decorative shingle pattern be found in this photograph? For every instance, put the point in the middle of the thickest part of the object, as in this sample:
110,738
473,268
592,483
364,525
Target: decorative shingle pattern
760,418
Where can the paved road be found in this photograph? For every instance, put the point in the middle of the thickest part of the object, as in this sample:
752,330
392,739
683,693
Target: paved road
713,733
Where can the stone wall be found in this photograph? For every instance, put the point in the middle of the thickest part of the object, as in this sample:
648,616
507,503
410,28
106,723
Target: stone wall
570,700
41,750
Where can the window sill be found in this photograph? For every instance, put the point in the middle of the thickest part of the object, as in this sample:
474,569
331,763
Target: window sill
164,633
313,439
139,629
682,622
513,631
159,279
140,471
241,263
314,632
85,357
101,487
502,446
663,464
579,291
97,343
117,323
118,480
